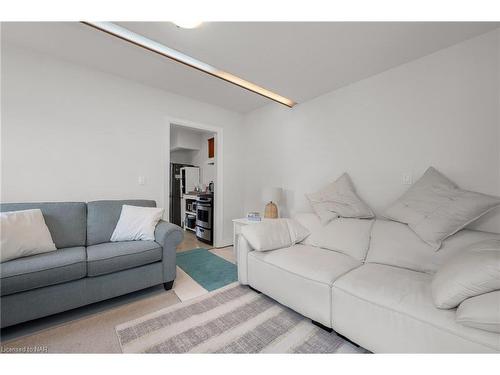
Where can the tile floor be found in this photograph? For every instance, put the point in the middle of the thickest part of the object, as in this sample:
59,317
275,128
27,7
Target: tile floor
191,242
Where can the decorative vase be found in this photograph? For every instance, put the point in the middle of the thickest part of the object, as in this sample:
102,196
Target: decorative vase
271,211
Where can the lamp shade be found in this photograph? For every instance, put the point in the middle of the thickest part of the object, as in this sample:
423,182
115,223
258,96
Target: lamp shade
271,194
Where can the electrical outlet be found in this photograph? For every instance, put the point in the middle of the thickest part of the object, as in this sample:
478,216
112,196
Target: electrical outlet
407,179
141,180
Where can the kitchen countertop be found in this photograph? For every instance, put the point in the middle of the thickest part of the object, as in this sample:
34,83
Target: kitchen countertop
194,194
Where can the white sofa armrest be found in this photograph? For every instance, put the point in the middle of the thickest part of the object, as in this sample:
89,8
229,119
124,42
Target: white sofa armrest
242,258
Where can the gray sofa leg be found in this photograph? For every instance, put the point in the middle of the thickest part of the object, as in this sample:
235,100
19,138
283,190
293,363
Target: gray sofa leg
168,285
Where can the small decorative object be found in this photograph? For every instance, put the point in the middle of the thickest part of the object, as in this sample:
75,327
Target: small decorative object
254,216
271,195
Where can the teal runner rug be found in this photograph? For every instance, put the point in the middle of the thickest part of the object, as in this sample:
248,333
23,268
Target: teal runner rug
207,269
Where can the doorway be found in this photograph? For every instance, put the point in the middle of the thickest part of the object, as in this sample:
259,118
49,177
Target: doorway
193,182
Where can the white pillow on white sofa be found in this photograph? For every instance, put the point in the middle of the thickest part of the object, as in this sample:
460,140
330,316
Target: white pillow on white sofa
24,233
435,208
137,224
274,234
471,273
345,235
395,244
339,199
481,312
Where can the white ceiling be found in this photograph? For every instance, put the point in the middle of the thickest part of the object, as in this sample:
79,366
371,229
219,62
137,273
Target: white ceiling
298,60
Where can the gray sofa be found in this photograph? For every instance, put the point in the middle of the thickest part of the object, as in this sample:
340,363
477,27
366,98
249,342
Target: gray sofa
86,268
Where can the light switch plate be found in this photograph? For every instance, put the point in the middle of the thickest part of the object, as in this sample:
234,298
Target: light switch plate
141,180
407,179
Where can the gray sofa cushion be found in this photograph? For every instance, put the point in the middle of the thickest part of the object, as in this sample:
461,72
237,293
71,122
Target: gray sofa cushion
67,221
116,256
102,217
42,270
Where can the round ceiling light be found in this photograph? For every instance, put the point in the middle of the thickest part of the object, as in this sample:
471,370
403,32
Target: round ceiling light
187,24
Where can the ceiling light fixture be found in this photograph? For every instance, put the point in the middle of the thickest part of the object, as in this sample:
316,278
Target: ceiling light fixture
187,24
151,45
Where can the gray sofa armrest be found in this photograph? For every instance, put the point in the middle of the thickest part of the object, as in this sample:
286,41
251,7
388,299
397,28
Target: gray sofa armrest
168,235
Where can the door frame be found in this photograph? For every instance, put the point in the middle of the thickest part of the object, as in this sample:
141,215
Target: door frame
219,180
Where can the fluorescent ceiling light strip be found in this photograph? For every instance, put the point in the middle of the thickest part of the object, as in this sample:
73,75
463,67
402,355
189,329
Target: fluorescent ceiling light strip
173,54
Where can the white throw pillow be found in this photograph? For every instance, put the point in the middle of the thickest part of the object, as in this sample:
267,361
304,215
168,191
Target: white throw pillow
435,208
137,224
345,235
481,312
395,244
274,234
339,199
298,232
24,233
473,272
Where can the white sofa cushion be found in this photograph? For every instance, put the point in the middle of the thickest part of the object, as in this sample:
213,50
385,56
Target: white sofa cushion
348,236
474,271
274,234
339,199
24,233
395,244
299,277
435,208
390,309
310,262
136,224
481,312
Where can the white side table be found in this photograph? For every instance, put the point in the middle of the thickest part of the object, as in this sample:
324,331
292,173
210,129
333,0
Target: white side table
237,225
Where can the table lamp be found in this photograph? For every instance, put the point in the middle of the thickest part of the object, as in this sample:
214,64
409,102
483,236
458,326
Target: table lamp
271,196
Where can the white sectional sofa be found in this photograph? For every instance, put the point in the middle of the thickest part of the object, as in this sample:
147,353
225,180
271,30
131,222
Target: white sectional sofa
369,280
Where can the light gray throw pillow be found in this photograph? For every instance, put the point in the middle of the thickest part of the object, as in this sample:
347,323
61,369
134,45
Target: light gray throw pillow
435,208
274,234
339,199
471,273
481,312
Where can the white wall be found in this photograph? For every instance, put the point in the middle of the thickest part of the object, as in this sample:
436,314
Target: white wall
183,138
207,171
75,134
440,110
72,133
182,156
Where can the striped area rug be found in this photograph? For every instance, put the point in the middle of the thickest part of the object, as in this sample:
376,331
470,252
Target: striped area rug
233,319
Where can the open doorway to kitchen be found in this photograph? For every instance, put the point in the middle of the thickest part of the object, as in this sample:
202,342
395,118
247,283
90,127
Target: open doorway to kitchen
192,184
193,197
193,188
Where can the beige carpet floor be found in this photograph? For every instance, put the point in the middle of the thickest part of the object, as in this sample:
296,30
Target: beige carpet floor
91,329
94,332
